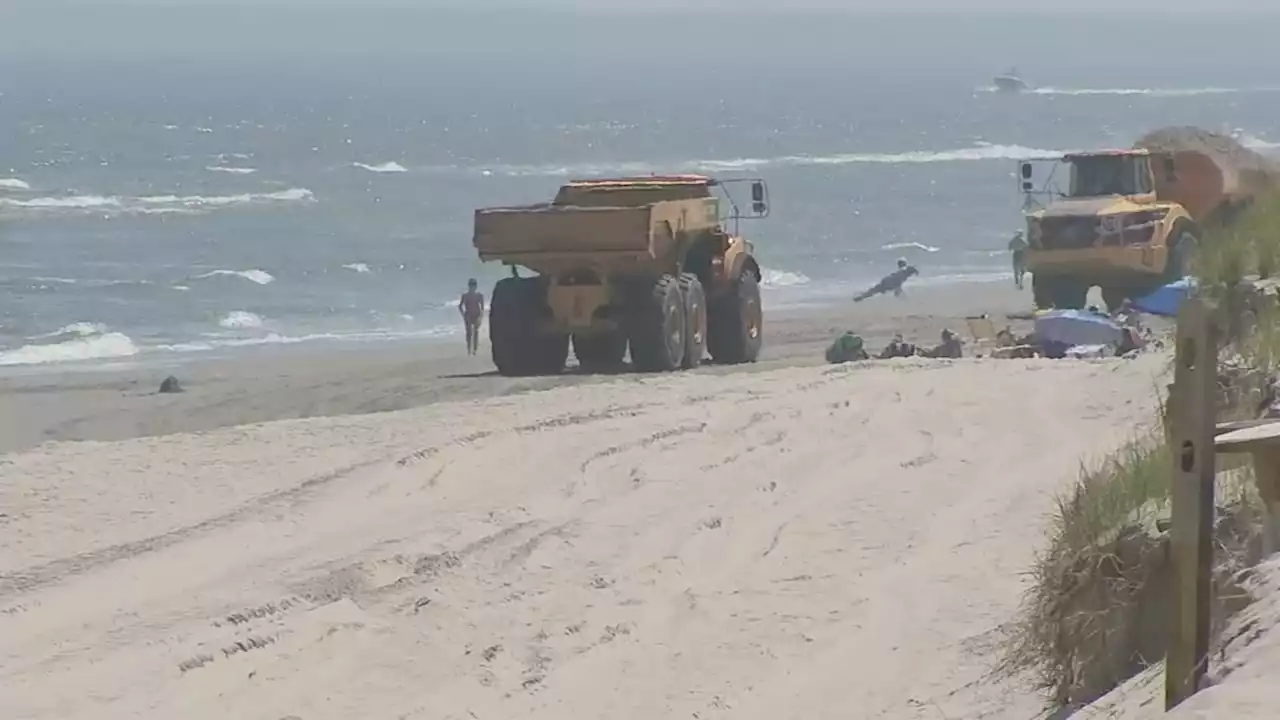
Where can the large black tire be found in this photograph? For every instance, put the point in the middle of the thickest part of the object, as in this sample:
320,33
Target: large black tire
602,351
516,311
1070,295
1061,292
695,320
657,326
735,328
1042,291
1114,297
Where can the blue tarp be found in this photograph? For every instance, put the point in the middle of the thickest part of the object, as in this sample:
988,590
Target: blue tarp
1078,327
1167,299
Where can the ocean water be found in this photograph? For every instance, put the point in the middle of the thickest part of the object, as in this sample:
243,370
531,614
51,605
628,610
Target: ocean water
183,201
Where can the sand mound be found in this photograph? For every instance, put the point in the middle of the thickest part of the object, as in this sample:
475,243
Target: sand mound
1241,681
1224,147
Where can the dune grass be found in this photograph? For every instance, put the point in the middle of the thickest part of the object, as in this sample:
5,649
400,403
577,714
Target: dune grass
1249,246
1091,616
1070,637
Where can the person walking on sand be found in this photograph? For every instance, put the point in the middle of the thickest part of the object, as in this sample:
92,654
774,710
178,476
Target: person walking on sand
471,307
891,282
1018,251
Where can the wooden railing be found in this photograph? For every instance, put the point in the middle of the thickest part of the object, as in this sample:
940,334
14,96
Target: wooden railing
1196,440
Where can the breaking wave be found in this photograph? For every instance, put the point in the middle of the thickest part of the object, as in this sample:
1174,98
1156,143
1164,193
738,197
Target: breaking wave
231,170
78,329
1253,142
782,278
155,204
978,152
1154,92
357,267
277,339
88,342
387,167
910,246
1150,92
241,320
13,184
261,277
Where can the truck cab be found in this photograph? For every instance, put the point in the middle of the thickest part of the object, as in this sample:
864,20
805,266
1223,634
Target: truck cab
1110,228
1098,174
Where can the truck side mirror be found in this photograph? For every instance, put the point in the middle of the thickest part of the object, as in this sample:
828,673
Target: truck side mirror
1026,171
1027,186
758,204
1170,169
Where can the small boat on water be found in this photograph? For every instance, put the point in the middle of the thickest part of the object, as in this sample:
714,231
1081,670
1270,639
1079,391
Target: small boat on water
1010,81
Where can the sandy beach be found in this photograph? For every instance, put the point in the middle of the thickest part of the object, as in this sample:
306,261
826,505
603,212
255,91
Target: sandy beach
119,402
786,540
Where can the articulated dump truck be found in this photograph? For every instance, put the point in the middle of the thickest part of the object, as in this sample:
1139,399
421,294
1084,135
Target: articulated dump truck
642,263
1132,219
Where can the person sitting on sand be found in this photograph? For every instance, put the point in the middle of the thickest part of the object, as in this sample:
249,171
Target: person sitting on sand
471,307
847,348
891,282
951,347
899,348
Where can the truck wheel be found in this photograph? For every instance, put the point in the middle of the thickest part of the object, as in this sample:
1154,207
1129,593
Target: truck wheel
1113,298
515,312
1042,291
552,351
658,327
695,320
736,322
600,351
1070,294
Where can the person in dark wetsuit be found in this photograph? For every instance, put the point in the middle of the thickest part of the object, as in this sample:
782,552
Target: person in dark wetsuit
1018,251
891,282
471,307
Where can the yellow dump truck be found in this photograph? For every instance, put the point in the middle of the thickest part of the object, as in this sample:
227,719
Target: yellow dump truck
1132,219
644,263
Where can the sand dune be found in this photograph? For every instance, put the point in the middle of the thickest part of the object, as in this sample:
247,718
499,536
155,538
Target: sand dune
807,542
1241,678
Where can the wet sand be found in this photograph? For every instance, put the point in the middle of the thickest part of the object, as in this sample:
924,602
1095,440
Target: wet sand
45,404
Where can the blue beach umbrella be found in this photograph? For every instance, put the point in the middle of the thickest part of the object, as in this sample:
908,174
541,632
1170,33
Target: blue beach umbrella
1077,327
1166,300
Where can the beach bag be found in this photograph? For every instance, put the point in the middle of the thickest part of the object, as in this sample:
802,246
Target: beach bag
846,348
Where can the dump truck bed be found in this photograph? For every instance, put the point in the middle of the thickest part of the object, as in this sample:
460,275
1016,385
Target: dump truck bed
1210,169
512,234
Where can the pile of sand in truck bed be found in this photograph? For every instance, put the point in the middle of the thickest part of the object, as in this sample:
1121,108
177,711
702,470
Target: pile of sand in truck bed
1186,137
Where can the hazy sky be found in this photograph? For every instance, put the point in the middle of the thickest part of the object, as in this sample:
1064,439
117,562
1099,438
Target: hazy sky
963,38
1214,6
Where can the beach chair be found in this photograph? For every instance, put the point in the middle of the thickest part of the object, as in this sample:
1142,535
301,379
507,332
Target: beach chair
983,331
986,336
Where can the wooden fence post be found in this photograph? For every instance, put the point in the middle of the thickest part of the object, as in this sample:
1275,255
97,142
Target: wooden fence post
1193,414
